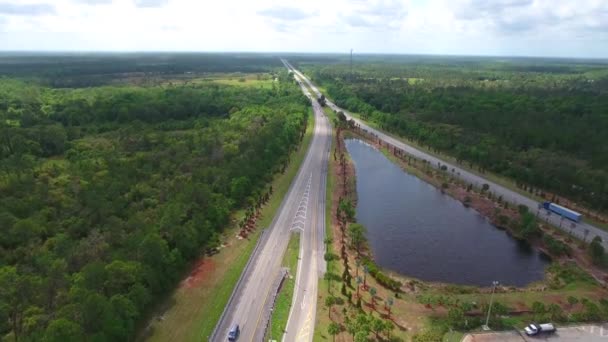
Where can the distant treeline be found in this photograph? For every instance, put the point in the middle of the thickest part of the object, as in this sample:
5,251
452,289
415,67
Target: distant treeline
93,69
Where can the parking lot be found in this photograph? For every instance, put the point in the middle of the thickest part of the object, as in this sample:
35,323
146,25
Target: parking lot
587,333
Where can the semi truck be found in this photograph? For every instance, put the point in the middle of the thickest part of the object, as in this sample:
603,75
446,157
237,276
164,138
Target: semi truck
563,211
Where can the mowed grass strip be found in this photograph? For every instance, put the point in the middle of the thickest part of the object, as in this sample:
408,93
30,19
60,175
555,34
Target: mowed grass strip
244,82
194,311
280,314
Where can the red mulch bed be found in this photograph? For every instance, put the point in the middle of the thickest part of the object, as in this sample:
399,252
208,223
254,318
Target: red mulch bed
201,269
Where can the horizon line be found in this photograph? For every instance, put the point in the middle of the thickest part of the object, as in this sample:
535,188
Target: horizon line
288,53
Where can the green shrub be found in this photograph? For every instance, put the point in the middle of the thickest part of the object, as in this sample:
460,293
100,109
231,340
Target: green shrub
380,277
556,247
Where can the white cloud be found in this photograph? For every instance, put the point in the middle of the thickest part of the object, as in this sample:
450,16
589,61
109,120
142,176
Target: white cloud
32,9
475,27
151,3
285,13
94,2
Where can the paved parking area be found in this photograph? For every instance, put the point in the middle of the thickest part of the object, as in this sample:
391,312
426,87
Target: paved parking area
586,333
507,336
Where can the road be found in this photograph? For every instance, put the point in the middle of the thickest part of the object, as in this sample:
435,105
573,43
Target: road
303,210
566,225
311,263
583,333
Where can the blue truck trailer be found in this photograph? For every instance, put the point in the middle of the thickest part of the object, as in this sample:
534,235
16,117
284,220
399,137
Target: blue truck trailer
563,211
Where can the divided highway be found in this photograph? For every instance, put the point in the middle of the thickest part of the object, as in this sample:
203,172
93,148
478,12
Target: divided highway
303,210
311,263
577,229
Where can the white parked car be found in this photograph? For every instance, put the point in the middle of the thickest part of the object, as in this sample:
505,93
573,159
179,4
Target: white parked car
535,329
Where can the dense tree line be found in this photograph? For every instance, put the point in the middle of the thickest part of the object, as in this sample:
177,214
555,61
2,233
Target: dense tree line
93,69
545,127
108,193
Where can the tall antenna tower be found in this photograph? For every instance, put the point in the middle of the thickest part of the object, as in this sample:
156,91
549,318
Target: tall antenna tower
351,65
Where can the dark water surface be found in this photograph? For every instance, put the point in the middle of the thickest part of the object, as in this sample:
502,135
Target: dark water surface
416,231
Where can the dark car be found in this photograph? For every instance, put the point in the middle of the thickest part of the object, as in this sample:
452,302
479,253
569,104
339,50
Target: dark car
233,334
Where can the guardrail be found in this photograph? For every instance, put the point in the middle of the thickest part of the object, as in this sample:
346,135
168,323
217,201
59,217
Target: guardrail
270,304
213,336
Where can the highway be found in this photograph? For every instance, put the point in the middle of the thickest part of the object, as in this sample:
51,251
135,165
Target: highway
302,210
566,225
311,263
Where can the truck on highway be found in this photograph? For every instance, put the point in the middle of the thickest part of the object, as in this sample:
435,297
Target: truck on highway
563,211
321,100
535,329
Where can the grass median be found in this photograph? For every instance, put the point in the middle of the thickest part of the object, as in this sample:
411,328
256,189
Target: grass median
193,312
283,303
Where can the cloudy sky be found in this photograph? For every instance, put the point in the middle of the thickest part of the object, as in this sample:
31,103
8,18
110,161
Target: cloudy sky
570,28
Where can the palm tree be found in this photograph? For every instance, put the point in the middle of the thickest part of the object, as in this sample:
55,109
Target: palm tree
327,277
359,281
388,328
377,326
372,292
329,302
327,241
333,329
365,272
389,303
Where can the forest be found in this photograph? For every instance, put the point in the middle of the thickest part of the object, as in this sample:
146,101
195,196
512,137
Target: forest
73,70
541,122
110,192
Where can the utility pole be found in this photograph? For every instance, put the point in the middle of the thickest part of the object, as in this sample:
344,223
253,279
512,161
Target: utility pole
485,326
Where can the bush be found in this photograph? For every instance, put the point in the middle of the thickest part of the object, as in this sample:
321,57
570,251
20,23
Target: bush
380,277
597,252
522,209
431,335
569,273
556,247
503,220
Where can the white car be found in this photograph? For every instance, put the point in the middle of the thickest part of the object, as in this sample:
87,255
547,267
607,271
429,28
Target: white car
535,329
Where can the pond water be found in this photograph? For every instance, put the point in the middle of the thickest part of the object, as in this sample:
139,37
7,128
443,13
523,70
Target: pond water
415,230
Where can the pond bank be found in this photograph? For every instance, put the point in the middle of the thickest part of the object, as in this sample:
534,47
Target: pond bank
417,230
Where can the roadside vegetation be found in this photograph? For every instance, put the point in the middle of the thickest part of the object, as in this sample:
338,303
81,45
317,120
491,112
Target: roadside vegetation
112,193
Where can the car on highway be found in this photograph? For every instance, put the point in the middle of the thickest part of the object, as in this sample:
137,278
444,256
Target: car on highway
233,334
535,329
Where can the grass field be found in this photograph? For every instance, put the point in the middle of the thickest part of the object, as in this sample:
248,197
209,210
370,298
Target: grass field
283,303
244,82
257,80
192,312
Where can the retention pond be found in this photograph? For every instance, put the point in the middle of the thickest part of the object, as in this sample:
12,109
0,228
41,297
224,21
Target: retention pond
415,230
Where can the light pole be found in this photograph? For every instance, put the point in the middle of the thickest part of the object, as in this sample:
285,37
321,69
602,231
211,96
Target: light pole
485,326
270,324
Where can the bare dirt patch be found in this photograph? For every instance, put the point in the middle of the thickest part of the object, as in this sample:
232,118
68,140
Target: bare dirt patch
203,268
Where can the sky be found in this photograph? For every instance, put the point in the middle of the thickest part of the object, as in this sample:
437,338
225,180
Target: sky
557,28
